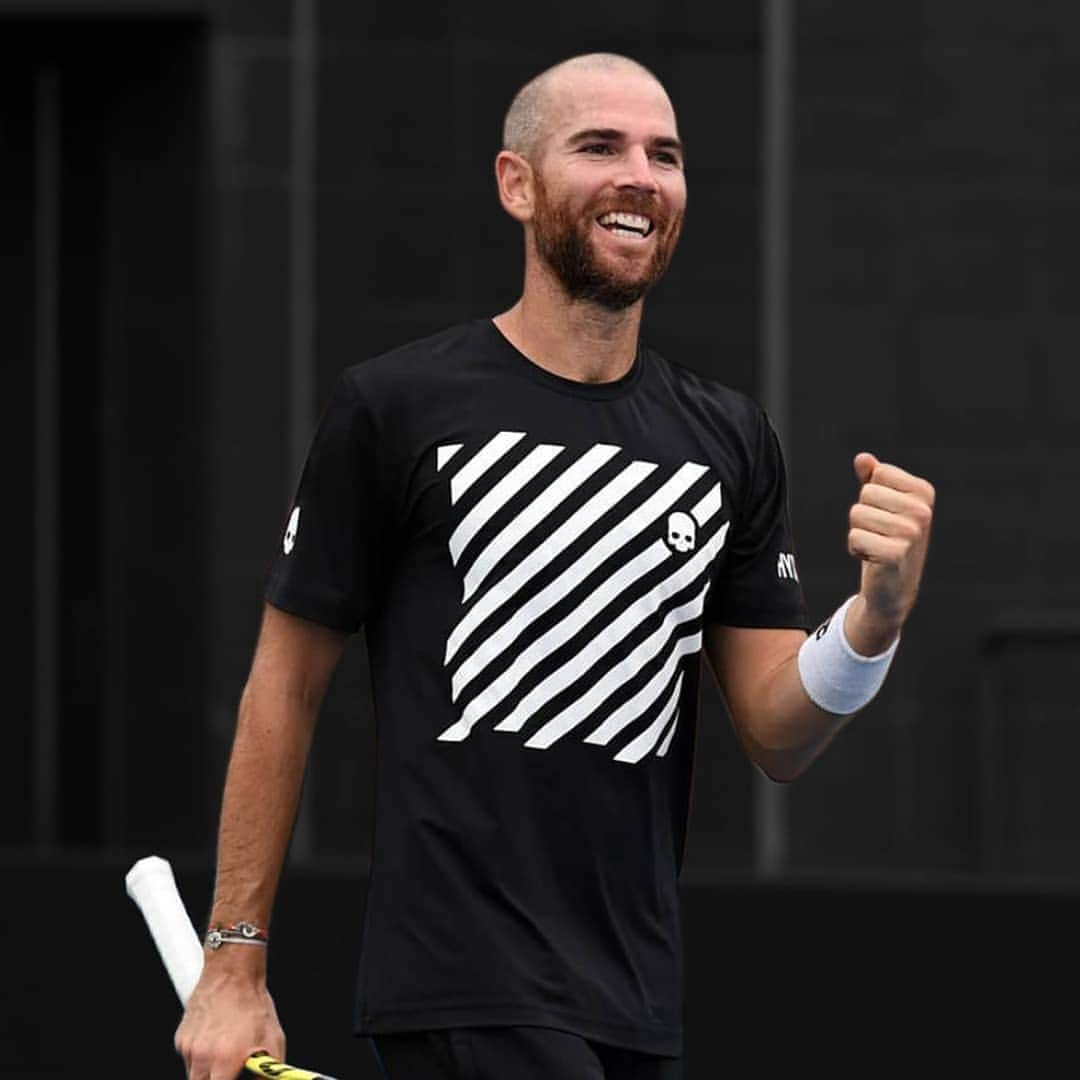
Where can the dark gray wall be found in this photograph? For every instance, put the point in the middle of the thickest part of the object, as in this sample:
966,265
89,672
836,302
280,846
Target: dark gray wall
934,322
114,114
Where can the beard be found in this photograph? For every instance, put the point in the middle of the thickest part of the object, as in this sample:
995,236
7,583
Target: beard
566,245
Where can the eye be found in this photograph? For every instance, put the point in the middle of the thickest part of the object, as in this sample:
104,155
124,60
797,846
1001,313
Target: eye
666,157
597,148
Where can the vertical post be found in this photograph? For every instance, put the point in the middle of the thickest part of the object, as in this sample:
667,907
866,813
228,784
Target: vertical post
46,713
770,800
115,465
303,166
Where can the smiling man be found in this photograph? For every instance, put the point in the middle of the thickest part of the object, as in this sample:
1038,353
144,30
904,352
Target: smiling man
542,525
593,169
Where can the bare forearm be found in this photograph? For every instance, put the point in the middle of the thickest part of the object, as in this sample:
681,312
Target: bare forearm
293,663
782,727
786,731
230,1012
262,789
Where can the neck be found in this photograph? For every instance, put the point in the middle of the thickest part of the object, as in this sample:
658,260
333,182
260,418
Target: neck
576,339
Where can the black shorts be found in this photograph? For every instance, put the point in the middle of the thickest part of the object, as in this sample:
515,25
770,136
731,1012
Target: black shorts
521,1053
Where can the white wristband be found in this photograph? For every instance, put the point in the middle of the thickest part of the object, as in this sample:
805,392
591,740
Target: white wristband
836,678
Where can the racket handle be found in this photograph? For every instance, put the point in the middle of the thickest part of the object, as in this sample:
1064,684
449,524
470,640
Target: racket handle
150,883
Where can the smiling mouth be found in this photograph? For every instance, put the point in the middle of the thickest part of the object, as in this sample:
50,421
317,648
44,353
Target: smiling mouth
635,226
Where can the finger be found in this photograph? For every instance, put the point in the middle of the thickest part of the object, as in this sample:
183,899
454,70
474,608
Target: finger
896,502
228,1068
865,464
873,547
272,1048
231,1071
220,1063
893,476
883,522
198,1068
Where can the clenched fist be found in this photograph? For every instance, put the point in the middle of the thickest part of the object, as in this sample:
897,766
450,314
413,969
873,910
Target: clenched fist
889,532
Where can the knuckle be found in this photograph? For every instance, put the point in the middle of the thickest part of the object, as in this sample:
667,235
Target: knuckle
909,529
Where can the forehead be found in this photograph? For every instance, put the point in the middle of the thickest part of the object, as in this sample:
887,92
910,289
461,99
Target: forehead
620,99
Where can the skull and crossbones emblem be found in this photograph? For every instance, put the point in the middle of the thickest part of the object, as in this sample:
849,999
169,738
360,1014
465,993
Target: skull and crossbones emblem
681,532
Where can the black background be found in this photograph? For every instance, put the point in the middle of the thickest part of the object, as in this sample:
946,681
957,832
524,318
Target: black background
924,909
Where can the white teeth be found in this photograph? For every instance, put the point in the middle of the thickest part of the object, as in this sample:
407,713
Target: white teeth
630,221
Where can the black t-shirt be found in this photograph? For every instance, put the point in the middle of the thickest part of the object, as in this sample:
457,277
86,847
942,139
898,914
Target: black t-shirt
533,560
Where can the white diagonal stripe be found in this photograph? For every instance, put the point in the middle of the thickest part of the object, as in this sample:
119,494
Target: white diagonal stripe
602,688
570,530
545,645
473,469
643,743
444,453
622,627
710,502
630,710
499,495
665,746
564,485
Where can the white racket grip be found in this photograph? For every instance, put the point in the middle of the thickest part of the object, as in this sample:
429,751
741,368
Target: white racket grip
150,883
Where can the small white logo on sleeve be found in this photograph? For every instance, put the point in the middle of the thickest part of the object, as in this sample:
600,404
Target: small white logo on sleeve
785,567
290,531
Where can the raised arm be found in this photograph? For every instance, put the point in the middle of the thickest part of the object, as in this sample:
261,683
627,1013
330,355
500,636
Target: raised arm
230,1012
788,695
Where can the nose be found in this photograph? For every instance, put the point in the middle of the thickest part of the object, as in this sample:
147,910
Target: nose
637,170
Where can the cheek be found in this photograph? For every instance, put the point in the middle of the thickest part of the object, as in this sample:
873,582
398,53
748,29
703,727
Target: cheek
676,197
566,204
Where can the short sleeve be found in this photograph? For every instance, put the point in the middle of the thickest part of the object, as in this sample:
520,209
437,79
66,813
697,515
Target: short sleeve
758,584
327,567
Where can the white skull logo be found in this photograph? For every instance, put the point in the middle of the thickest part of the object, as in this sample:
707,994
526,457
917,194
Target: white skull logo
681,531
290,530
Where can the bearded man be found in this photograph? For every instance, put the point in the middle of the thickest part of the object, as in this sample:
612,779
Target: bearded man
541,524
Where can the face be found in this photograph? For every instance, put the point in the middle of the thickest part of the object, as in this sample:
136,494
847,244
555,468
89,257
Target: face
610,191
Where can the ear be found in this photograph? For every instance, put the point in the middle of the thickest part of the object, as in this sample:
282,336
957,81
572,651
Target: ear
514,177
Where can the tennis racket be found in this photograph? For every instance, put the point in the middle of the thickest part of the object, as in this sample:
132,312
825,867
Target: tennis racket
150,883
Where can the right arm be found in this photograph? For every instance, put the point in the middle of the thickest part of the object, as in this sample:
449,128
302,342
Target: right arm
230,1013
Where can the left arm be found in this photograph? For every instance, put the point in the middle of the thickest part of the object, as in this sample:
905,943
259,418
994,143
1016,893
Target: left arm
781,729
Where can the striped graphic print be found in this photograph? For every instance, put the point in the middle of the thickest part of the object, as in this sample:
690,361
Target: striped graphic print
584,576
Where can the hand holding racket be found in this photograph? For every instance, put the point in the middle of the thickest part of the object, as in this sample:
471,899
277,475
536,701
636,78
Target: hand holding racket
150,883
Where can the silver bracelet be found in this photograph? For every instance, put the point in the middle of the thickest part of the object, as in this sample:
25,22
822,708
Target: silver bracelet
241,933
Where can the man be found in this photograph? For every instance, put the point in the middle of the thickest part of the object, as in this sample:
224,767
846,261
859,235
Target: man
541,523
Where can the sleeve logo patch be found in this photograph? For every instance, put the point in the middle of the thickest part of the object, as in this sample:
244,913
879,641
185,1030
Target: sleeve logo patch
289,542
785,567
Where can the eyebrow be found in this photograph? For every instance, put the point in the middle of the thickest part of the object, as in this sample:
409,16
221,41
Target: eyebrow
660,142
